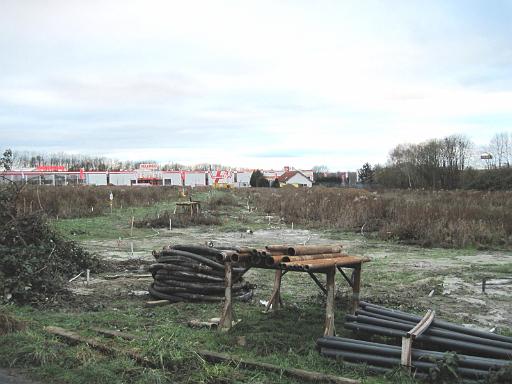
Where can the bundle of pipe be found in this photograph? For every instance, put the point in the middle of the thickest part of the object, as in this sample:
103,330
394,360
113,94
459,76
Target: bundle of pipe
387,357
194,273
441,335
292,256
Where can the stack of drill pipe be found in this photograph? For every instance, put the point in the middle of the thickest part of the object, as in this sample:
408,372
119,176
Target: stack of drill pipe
323,263
388,357
283,254
194,273
440,336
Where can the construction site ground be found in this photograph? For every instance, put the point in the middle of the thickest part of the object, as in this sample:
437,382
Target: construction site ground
400,276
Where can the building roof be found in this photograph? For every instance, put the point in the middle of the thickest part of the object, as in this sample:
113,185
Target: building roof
288,175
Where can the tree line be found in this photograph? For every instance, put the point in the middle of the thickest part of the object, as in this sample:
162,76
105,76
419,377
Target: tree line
449,163
26,159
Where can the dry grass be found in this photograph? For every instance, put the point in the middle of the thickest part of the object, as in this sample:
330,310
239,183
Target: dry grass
83,201
9,324
443,218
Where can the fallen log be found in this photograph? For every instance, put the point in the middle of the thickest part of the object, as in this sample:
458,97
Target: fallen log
212,357
113,334
74,338
302,375
157,303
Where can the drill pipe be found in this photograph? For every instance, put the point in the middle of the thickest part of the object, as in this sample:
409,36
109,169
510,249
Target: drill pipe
320,264
241,258
273,261
288,258
225,256
277,248
299,250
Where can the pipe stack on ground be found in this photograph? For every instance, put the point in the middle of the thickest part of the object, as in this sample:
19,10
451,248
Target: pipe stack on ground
387,357
195,273
304,257
441,335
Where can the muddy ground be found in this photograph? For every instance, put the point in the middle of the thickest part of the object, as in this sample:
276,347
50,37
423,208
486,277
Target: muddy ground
400,276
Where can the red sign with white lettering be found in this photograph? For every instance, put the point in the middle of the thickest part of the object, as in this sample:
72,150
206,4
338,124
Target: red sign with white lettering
51,168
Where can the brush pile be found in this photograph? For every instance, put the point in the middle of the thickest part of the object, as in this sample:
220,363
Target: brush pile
194,273
35,261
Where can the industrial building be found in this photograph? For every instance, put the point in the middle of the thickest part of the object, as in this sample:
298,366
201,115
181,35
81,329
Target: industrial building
147,174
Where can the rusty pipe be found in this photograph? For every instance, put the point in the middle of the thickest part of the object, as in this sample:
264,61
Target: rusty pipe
326,263
277,248
241,258
300,250
274,260
287,259
226,256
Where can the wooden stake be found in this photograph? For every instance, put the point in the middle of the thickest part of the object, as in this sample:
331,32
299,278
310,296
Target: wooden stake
329,307
275,299
226,320
131,227
356,287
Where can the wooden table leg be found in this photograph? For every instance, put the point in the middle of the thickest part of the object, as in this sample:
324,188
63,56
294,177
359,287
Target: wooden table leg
356,286
226,320
275,299
329,307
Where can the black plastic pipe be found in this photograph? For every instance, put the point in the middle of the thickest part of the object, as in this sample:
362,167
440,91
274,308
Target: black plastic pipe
387,350
433,331
438,323
447,343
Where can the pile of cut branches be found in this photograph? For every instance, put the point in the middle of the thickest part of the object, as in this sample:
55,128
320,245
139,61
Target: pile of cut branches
35,261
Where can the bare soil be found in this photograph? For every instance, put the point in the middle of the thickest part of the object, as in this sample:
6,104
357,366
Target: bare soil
408,277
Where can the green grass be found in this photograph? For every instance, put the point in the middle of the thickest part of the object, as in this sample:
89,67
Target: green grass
286,338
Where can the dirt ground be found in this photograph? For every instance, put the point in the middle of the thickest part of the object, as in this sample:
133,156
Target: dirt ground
400,276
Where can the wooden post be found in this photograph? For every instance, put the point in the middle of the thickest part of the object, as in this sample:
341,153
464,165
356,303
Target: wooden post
329,306
275,299
226,320
356,286
407,340
131,227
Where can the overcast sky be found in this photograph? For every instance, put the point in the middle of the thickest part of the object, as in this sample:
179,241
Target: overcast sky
252,83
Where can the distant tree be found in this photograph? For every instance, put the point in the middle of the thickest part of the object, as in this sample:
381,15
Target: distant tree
366,174
258,180
275,183
6,160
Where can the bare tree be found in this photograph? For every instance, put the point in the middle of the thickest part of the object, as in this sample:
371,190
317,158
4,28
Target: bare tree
500,148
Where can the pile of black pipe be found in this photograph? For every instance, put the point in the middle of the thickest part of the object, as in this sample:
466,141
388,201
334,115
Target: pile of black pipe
479,352
440,336
387,357
194,273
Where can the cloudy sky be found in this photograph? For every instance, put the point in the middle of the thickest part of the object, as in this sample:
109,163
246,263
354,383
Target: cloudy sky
252,83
